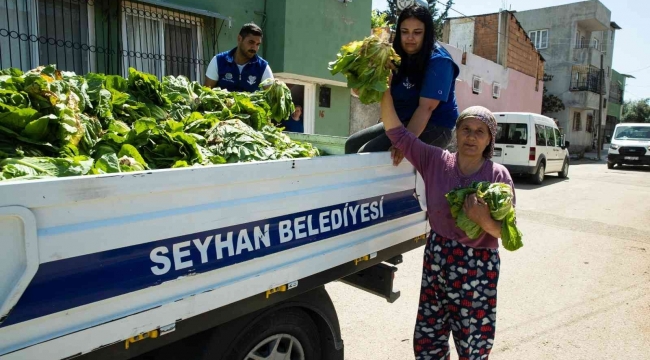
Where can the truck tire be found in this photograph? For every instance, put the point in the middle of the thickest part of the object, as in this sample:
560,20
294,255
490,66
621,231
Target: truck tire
287,332
564,173
538,177
610,165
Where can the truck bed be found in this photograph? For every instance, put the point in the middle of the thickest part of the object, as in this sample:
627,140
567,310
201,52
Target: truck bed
92,261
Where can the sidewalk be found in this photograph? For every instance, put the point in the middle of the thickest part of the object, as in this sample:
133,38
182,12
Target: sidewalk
593,155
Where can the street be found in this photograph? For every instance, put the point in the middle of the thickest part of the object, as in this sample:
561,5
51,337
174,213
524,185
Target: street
578,289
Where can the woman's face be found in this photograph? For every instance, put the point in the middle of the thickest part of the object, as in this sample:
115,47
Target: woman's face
412,33
473,137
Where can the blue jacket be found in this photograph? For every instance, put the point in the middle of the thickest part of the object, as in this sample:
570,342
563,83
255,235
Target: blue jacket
230,78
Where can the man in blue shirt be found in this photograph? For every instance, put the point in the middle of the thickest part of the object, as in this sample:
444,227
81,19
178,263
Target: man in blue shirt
240,69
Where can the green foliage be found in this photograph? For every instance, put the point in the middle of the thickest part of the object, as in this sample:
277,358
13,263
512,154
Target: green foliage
498,197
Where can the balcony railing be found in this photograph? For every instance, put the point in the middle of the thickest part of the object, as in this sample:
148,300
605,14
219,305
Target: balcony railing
586,45
586,78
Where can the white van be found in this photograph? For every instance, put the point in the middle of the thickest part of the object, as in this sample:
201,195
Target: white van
530,144
630,145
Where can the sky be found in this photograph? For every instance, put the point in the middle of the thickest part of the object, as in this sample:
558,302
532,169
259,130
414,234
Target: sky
631,53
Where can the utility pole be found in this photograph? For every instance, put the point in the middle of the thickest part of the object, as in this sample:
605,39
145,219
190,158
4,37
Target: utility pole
600,106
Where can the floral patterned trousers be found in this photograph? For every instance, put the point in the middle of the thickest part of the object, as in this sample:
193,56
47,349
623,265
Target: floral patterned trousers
458,296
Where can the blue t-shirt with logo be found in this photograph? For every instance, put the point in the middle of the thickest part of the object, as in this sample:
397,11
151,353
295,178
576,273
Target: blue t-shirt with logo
439,83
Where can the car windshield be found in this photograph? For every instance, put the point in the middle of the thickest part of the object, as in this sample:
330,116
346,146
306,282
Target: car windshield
632,133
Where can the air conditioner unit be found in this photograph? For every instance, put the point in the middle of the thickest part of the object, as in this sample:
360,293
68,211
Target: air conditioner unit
476,84
496,90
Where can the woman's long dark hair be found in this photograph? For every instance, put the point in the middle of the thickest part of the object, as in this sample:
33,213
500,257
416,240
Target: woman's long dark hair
414,66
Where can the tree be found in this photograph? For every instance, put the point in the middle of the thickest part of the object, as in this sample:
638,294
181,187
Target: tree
378,19
438,16
636,111
550,102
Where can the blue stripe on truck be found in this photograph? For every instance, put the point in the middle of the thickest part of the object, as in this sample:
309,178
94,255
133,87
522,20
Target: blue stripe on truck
69,283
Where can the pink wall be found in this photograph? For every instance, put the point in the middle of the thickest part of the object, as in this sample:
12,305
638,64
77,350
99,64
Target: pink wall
518,92
519,96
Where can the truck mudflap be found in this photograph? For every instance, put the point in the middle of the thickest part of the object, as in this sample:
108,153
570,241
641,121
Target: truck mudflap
19,264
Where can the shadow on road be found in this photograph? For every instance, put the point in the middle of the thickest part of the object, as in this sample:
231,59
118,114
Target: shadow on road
637,168
523,183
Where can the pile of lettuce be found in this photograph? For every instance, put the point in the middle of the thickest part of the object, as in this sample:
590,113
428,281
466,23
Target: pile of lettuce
55,123
498,196
366,66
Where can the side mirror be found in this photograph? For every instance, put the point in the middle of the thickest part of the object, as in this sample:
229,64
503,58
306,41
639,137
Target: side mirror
566,144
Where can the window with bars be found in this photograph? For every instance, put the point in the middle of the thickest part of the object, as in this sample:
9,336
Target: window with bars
590,123
106,36
577,121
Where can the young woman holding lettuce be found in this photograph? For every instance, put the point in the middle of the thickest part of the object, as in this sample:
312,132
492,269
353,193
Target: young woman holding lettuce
459,277
423,87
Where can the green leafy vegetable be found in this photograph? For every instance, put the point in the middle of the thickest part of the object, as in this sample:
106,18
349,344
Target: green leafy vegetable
498,197
366,66
278,94
55,123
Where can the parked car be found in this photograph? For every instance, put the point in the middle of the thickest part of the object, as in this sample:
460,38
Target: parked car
530,144
630,145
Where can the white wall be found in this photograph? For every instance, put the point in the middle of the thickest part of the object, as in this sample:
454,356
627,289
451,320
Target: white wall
461,35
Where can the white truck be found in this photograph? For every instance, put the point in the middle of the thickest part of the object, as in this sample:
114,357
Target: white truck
220,262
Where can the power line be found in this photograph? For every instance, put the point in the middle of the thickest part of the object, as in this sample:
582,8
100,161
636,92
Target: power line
647,67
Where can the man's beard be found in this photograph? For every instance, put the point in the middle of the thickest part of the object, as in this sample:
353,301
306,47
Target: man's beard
248,54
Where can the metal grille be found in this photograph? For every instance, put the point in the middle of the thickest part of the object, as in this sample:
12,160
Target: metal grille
586,78
631,150
106,36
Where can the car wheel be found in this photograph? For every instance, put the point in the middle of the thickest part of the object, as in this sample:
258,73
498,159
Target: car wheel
538,178
286,334
565,170
610,165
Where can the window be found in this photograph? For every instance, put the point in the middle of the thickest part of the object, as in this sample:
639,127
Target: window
577,121
578,39
476,84
151,34
595,43
68,21
512,134
605,103
16,23
539,38
558,138
540,135
590,123
496,90
550,139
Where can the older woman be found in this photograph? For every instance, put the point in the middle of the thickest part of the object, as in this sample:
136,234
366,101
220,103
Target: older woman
459,279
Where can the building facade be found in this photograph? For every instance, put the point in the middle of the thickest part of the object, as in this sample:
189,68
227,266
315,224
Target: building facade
615,102
573,39
499,65
180,37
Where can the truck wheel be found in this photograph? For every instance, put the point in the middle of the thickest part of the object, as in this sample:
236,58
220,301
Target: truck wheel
285,334
610,165
538,178
565,170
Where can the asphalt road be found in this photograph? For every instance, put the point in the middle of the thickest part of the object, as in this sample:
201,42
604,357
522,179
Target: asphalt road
578,289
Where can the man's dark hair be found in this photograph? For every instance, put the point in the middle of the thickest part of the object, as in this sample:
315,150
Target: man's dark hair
415,66
250,29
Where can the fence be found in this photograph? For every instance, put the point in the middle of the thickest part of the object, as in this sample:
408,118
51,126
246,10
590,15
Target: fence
107,37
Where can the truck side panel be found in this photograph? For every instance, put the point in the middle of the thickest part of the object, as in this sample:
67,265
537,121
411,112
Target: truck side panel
124,255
